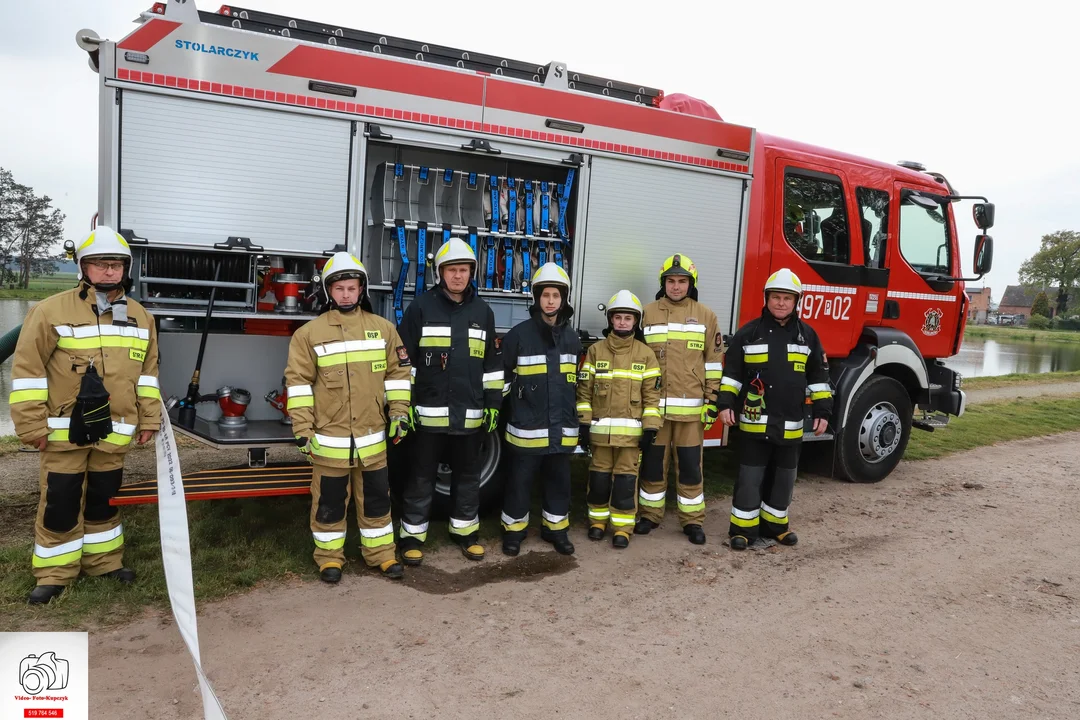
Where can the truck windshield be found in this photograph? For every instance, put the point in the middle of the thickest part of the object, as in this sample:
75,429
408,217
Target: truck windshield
924,234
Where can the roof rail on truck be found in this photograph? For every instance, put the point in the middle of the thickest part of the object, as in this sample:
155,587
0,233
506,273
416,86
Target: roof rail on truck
329,34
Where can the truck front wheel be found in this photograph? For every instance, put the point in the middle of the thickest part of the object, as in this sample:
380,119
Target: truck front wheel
877,431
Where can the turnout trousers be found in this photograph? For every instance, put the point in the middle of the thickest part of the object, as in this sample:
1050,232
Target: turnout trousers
554,472
612,493
331,490
77,530
681,440
463,454
763,490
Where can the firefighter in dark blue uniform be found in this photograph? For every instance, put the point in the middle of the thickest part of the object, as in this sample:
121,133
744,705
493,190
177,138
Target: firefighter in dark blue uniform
540,359
772,365
449,334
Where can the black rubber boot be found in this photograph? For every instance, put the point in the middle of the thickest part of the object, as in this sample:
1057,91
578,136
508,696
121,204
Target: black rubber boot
596,533
559,540
787,538
330,575
511,546
695,533
43,594
645,526
123,575
738,542
620,541
395,571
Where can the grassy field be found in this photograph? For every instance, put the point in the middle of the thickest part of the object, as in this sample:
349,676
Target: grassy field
239,544
40,287
995,381
1017,334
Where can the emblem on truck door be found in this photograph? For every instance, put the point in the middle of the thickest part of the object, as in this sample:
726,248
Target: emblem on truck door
932,324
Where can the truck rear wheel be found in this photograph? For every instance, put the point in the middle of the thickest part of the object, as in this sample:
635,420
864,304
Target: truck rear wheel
877,431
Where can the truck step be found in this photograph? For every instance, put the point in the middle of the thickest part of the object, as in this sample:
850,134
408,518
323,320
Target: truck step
234,482
930,422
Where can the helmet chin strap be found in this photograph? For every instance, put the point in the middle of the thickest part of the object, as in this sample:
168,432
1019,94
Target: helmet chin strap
623,333
345,308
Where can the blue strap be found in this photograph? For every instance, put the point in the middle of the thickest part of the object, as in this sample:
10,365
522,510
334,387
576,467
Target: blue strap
564,203
545,211
526,271
543,251
448,177
508,273
424,175
446,233
490,275
494,183
399,171
421,256
528,207
403,274
511,205
472,181
472,244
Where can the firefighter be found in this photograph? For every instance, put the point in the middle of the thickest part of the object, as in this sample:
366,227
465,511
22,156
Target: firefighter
772,364
83,386
540,358
344,368
618,408
686,338
449,333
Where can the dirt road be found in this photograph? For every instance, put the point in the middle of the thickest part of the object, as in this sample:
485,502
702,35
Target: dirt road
950,590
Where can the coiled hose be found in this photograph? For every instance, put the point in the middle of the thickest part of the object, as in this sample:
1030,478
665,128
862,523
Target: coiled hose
8,342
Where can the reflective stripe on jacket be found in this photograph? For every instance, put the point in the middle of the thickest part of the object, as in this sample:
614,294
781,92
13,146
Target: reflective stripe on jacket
541,365
61,337
343,370
619,391
685,336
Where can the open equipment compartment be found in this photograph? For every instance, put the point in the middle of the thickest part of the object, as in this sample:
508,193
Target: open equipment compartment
516,214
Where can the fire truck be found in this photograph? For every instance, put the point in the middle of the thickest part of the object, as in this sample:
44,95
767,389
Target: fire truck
240,149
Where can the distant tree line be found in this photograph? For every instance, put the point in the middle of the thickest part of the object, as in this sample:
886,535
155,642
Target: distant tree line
31,232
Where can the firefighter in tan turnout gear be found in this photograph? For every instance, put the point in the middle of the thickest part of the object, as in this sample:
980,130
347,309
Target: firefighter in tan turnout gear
686,338
344,368
83,387
618,399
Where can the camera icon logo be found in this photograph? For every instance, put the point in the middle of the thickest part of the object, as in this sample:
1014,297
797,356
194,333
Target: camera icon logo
38,673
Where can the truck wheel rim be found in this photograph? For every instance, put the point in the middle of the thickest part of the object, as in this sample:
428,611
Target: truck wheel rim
880,432
487,468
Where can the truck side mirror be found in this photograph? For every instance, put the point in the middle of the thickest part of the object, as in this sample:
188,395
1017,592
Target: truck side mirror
983,214
984,252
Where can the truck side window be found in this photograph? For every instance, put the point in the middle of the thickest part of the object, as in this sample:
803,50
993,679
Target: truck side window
815,217
874,209
924,234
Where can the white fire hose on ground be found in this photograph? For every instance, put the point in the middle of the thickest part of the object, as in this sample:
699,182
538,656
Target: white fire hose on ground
176,556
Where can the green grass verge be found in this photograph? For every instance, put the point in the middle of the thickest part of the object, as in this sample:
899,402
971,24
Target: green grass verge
1008,332
996,381
40,287
238,544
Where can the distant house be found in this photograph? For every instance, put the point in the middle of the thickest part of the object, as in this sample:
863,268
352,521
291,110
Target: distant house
1017,300
978,305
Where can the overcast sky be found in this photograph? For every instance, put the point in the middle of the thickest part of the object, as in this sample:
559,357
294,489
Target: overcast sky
976,91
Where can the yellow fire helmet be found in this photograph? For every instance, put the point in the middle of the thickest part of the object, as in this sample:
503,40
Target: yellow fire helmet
678,265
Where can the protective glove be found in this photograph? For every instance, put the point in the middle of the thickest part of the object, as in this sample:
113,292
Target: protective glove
491,419
303,444
400,425
755,400
583,437
709,413
648,437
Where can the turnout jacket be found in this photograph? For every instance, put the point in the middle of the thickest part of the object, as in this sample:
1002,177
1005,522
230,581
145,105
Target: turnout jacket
618,391
61,337
686,338
343,370
769,372
541,365
456,370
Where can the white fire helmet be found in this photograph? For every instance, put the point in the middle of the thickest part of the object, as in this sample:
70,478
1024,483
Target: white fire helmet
103,243
343,266
624,301
783,280
453,252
